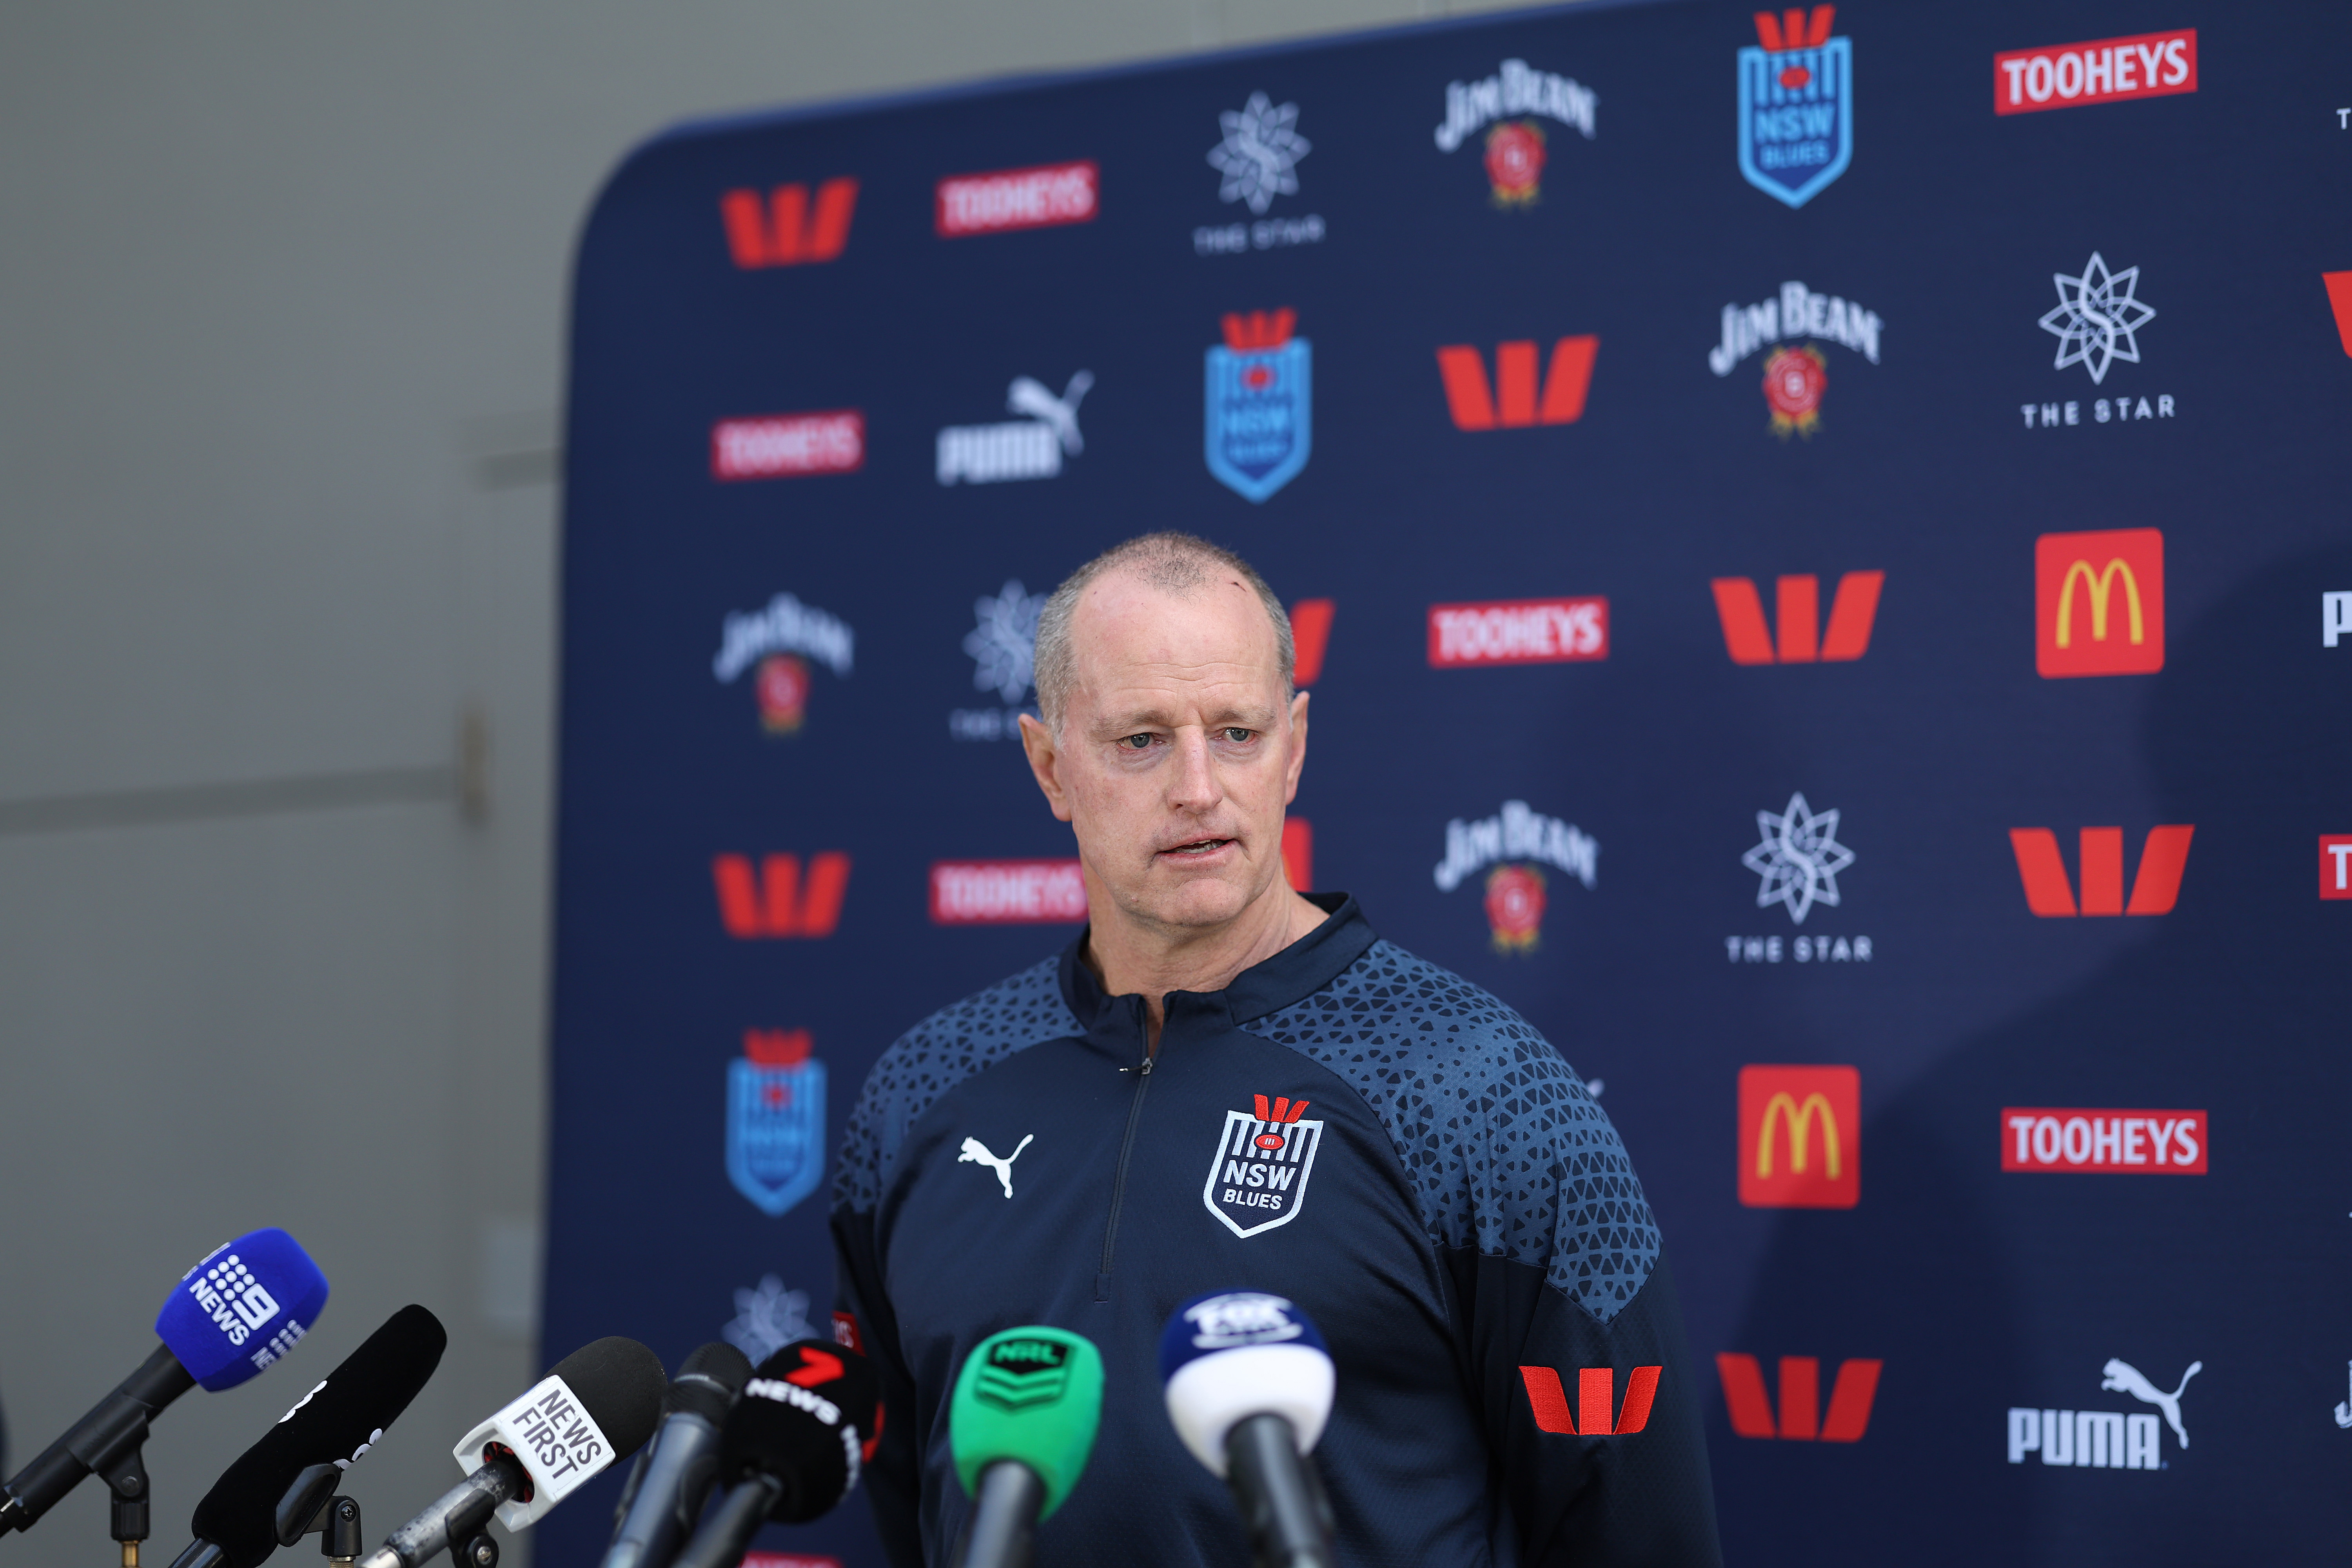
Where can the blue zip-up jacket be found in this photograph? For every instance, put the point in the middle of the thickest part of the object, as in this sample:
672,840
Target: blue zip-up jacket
1345,1125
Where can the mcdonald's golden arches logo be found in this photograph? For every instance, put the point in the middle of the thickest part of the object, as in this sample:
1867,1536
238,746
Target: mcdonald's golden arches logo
1799,1137
2098,603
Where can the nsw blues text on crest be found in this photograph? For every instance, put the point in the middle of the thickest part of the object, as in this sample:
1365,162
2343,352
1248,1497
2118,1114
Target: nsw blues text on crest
1796,115
1258,1179
1260,415
775,1130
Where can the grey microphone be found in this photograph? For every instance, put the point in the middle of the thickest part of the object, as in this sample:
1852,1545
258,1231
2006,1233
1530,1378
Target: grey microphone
665,1492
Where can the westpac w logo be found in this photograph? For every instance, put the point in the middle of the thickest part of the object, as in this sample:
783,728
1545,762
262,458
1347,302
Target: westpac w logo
783,231
1514,400
1799,1137
1796,105
1801,1397
2163,857
775,1118
1258,1178
2098,603
1749,640
773,903
1596,1388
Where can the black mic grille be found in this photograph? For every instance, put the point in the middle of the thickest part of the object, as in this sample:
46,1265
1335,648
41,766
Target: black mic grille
619,1382
707,1381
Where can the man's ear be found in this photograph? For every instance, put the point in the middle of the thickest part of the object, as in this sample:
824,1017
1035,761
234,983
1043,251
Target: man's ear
1297,747
1045,762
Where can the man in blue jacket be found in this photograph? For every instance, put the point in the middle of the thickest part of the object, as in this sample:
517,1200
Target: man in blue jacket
1223,1085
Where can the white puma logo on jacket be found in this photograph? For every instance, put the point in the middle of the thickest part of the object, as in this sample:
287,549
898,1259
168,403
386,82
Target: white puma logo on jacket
976,1152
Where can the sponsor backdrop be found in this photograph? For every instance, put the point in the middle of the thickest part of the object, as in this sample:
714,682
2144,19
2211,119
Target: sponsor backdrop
1817,541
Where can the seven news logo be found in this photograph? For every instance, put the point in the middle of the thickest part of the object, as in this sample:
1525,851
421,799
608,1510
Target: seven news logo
1514,400
1042,197
785,230
2106,70
2129,1142
2098,603
773,901
1750,1408
1519,631
2163,857
1799,1137
1596,1389
1797,600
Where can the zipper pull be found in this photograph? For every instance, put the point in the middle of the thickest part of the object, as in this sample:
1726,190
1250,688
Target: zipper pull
1146,1068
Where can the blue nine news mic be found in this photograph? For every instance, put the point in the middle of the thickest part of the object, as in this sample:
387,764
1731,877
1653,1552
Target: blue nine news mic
1249,1388
235,1314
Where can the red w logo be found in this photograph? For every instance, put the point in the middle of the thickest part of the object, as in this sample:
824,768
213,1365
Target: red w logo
1283,1112
1851,613
1596,1388
1512,403
782,907
1801,1398
2155,890
1259,329
784,233
1791,30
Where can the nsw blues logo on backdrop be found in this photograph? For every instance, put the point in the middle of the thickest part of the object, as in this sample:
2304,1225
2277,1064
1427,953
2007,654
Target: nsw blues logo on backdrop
1261,404
1796,105
775,1118
1258,1178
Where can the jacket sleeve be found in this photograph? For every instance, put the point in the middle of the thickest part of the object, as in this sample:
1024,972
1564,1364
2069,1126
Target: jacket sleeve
892,1479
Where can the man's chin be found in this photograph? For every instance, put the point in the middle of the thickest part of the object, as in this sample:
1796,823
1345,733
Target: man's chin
1193,901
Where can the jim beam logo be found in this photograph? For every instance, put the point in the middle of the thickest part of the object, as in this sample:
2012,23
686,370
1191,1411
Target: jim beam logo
1258,1179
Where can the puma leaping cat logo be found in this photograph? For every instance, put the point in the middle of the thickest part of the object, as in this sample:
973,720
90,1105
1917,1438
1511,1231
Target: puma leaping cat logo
1031,396
2125,1378
976,1152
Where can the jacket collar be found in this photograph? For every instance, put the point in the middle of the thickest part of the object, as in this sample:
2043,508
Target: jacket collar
1298,972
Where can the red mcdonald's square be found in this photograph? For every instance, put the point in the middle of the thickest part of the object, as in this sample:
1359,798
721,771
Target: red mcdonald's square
1799,1137
2098,603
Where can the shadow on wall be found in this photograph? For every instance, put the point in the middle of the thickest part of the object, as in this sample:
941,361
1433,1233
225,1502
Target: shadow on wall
1991,1297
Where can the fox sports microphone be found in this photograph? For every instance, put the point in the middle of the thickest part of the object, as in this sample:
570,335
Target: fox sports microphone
1021,1427
674,1475
242,1306
237,1523
1249,1389
596,1407
792,1447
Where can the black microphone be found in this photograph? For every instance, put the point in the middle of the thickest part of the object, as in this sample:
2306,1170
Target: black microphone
233,1315
237,1524
596,1407
792,1447
674,1475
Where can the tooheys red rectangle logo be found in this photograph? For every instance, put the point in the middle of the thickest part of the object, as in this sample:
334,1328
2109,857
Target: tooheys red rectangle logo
1006,892
2108,70
2129,1143
1042,197
1518,631
782,444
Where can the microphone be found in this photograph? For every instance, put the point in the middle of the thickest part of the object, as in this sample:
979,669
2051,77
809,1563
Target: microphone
1021,1426
237,1524
1249,1389
596,1407
243,1306
792,1447
674,1476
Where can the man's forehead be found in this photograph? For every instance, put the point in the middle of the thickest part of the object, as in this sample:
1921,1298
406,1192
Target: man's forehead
1122,620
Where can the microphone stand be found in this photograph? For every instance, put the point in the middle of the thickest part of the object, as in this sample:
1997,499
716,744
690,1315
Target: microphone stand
127,1490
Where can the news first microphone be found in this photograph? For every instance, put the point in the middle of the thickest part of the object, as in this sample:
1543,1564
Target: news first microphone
237,1524
792,1447
243,1306
597,1407
674,1475
1021,1426
1249,1387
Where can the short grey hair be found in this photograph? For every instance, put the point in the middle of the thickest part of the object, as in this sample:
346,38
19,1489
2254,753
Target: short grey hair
1175,563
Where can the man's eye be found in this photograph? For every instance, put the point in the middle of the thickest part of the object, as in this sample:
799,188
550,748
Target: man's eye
1137,742
1239,737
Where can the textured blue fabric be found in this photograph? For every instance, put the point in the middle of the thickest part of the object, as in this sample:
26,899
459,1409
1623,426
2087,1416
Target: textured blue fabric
932,1057
1506,1151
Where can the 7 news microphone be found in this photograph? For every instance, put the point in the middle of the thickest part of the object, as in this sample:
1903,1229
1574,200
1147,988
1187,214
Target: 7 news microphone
1021,1426
271,1496
242,1306
596,1407
675,1473
792,1447
1249,1387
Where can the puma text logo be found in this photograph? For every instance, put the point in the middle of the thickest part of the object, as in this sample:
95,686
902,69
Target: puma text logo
2122,1377
976,1152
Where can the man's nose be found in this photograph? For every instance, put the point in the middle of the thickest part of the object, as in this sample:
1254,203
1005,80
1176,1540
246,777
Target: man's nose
1193,785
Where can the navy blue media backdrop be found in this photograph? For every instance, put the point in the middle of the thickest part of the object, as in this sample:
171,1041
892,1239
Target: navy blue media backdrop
1823,566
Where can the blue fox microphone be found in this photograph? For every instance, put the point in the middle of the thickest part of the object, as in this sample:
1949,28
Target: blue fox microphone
242,1306
1249,1391
674,1474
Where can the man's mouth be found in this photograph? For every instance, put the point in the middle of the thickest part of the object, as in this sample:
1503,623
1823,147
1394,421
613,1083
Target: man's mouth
1199,848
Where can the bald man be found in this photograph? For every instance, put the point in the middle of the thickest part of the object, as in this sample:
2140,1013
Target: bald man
1225,1085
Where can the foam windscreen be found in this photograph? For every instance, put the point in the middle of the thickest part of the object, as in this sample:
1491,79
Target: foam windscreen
804,1418
707,1381
246,1304
620,1384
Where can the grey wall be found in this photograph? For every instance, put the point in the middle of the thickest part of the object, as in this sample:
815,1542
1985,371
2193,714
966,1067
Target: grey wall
281,304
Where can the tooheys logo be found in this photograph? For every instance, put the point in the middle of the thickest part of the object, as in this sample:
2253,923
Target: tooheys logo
1257,1177
771,901
1518,631
785,230
2129,1142
2106,70
1021,1373
784,446
1798,599
1514,400
1041,197
1006,892
2098,603
1801,1398
1596,1389
2163,857
1799,1137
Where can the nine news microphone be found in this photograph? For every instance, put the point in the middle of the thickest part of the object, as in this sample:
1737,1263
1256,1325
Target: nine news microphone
1249,1389
792,1447
1021,1427
674,1475
237,1523
242,1306
597,1407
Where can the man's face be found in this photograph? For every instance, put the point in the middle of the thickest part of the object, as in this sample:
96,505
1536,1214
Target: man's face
1177,754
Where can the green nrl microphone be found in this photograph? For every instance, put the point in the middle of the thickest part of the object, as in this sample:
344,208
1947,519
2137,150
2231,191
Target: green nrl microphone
1021,1427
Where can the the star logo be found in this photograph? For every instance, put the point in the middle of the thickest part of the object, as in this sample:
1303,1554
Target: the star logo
1004,642
1799,858
1261,150
2096,317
